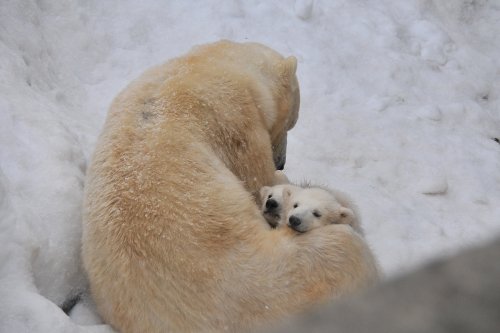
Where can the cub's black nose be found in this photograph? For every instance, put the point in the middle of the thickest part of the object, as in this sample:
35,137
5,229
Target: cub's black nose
294,221
271,204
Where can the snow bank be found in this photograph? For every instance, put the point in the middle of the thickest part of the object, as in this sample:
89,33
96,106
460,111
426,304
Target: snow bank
400,105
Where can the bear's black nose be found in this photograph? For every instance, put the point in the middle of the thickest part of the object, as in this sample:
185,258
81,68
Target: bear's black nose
271,204
294,221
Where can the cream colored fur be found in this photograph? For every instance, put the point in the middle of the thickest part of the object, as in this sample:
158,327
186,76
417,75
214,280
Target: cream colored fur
315,207
274,194
333,206
173,240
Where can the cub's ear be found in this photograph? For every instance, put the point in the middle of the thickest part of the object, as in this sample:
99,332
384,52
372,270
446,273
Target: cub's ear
288,68
346,216
280,178
287,192
264,190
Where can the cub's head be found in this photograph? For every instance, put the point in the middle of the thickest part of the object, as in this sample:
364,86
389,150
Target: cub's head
315,207
272,203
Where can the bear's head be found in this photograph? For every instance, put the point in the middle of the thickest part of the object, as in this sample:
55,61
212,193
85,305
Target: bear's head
274,86
314,207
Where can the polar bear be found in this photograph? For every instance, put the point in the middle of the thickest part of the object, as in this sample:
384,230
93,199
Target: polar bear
319,206
312,207
271,198
173,238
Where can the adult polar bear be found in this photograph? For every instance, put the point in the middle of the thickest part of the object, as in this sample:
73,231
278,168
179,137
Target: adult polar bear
173,240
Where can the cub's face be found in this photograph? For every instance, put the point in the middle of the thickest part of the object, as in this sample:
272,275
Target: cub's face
272,203
312,208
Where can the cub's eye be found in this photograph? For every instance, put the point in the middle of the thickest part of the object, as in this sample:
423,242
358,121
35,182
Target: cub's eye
269,196
316,214
296,205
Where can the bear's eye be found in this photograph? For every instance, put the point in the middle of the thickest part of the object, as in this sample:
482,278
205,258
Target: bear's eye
269,196
316,214
295,205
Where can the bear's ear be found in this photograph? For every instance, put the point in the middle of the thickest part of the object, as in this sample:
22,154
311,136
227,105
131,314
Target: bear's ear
287,192
291,64
346,216
280,178
288,68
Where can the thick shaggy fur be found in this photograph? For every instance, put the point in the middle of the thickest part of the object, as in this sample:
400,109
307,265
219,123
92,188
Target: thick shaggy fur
173,238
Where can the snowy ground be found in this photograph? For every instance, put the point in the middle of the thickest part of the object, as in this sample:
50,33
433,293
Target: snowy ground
400,105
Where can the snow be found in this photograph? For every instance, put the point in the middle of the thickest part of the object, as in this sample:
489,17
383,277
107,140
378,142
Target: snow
400,108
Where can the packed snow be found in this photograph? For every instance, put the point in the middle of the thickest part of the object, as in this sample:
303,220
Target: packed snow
400,109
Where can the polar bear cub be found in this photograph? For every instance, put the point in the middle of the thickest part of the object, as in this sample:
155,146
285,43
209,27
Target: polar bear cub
271,198
272,202
312,207
306,207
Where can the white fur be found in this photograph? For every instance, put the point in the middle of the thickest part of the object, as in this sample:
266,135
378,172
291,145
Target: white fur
314,207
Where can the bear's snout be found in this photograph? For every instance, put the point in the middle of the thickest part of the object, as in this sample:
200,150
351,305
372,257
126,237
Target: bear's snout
271,204
294,221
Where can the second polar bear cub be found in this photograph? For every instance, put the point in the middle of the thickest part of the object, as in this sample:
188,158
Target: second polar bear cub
306,207
311,207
